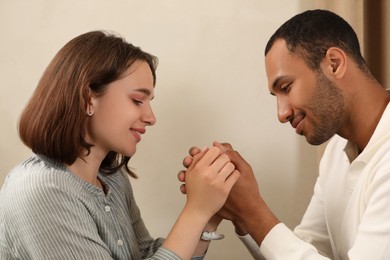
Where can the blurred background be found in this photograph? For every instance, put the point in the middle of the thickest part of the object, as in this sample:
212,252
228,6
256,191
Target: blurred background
211,85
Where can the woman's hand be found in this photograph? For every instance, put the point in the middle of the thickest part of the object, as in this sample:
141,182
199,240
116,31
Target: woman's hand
208,180
238,196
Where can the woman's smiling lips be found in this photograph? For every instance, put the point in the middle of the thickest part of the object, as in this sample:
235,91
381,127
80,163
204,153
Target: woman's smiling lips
137,132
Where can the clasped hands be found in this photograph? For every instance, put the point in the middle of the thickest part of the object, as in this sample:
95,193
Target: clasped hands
241,185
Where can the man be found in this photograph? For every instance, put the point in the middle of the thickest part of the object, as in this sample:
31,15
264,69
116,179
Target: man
325,90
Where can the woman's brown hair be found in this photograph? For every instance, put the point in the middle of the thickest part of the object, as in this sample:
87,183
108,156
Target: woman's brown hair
53,123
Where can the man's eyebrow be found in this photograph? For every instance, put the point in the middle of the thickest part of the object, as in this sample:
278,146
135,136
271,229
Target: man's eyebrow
276,82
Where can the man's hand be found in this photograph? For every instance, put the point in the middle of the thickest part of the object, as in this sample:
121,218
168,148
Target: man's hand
209,179
244,205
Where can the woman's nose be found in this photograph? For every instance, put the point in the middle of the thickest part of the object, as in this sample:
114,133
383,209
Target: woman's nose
148,116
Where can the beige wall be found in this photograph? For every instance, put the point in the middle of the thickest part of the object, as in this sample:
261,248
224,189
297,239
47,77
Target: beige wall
211,86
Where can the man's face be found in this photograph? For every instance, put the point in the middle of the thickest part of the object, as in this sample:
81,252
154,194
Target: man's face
307,99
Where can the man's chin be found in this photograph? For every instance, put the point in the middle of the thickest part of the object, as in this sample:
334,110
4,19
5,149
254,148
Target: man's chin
317,140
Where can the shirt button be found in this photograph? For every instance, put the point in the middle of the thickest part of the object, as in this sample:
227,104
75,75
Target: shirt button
120,242
107,208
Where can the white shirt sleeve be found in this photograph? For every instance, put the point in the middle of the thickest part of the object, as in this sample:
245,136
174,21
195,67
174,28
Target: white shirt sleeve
281,243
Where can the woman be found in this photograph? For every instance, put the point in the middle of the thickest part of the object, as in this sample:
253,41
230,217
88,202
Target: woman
73,198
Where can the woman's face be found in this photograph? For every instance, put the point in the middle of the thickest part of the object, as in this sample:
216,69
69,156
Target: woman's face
122,112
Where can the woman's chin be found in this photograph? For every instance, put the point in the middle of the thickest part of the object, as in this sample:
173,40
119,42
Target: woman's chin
130,153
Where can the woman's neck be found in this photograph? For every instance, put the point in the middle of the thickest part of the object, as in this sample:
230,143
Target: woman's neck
87,168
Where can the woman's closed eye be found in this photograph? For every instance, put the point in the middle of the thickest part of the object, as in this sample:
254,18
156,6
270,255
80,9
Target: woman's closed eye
137,102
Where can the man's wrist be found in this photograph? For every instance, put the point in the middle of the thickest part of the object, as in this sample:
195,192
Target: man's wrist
260,222
239,228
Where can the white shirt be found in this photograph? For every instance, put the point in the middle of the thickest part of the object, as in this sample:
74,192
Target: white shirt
349,214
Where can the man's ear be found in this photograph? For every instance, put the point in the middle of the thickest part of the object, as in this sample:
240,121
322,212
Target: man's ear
334,63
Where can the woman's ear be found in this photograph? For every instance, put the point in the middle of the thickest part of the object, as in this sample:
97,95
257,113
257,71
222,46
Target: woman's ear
90,103
335,63
90,110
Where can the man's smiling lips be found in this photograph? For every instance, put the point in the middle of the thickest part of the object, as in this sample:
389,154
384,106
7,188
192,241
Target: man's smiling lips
297,123
137,132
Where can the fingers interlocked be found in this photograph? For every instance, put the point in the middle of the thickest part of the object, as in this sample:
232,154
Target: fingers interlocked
208,179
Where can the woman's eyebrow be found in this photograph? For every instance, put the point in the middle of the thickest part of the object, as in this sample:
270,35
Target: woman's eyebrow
144,91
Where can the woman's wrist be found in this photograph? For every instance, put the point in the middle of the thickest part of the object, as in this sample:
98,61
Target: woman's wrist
213,223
